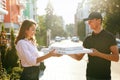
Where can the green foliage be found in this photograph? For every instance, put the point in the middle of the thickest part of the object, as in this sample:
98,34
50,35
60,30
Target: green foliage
3,28
3,45
112,23
81,30
4,75
3,54
49,22
9,60
70,29
11,57
49,9
54,22
111,9
16,73
41,31
12,39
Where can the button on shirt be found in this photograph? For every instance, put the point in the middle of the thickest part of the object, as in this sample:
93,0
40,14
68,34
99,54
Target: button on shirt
28,53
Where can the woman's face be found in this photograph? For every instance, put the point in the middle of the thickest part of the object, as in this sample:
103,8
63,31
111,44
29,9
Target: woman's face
31,31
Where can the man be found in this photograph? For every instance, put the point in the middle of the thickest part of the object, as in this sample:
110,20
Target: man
104,48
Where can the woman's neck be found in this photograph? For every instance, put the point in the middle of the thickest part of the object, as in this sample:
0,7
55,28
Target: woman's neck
28,38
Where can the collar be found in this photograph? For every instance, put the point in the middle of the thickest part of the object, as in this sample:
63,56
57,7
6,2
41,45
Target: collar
94,34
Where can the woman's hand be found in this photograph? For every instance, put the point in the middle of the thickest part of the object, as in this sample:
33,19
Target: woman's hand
54,53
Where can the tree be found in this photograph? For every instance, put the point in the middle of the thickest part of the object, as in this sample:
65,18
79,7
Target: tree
54,22
70,29
3,28
41,31
81,30
49,15
11,57
49,21
3,45
111,9
57,27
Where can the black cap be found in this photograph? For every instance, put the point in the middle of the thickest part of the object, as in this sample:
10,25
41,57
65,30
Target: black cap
94,15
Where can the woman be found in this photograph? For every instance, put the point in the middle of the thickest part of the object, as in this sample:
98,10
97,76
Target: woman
27,51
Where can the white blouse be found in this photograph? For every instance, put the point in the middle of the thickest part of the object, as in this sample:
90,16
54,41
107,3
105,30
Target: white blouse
28,53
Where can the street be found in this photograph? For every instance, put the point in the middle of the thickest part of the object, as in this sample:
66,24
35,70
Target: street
64,68
115,70
67,68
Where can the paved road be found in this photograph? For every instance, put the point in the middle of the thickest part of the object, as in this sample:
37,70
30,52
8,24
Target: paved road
115,70
66,68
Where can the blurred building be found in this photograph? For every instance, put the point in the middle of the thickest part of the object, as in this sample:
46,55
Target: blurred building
81,13
13,12
14,16
30,12
3,10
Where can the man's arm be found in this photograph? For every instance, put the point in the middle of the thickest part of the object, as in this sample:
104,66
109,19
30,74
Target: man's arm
77,56
114,56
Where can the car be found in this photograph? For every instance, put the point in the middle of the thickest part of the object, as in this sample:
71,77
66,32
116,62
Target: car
57,39
75,39
62,38
118,43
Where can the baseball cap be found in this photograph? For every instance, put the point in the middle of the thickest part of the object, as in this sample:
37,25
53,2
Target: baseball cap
94,15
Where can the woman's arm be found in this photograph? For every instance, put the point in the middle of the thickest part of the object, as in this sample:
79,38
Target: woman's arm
50,54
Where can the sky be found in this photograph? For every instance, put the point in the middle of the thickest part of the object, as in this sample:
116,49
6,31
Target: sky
64,8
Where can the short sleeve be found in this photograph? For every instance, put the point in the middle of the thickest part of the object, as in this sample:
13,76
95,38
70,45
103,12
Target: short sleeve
86,43
112,41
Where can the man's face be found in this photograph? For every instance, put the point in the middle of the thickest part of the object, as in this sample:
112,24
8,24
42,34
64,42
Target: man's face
94,23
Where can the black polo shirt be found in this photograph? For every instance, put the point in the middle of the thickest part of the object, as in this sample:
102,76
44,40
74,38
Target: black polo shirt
98,67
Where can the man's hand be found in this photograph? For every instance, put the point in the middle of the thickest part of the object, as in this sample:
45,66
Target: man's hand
94,53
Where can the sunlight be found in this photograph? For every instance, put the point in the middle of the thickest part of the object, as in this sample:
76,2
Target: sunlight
64,68
64,8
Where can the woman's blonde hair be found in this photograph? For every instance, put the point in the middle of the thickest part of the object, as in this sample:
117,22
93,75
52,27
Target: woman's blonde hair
25,26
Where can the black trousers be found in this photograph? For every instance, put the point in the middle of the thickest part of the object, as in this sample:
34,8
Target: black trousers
90,78
30,73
